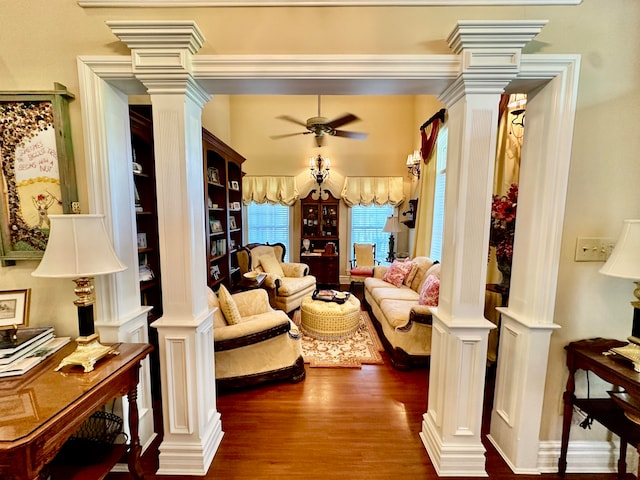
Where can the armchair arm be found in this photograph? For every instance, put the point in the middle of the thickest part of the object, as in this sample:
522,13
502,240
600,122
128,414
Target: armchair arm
379,271
293,269
419,314
248,333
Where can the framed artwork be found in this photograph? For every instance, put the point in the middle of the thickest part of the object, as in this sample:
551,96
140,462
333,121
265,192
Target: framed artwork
235,185
232,222
38,171
216,226
142,240
213,175
14,308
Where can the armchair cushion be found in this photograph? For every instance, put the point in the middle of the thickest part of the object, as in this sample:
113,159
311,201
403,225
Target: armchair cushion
228,306
270,264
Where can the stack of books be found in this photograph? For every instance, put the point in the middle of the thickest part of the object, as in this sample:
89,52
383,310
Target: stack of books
31,347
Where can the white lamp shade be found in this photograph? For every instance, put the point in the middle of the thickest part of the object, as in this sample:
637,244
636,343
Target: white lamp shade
78,246
624,261
392,225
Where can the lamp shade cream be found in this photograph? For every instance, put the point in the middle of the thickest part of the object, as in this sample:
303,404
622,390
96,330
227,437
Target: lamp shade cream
392,225
624,261
78,246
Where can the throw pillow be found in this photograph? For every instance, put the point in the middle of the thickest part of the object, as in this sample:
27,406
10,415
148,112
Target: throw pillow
430,291
412,273
271,264
397,272
228,306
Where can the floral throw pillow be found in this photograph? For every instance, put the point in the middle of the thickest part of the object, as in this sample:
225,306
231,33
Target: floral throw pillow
430,291
397,272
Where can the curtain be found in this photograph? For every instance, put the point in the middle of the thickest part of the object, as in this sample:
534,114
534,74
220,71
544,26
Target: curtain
368,190
275,190
509,147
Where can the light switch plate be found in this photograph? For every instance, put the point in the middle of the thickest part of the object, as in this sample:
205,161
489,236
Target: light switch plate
593,249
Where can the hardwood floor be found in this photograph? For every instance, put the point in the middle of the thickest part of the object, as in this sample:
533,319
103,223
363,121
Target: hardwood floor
351,424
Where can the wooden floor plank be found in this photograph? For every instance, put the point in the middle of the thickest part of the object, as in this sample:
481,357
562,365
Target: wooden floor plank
351,424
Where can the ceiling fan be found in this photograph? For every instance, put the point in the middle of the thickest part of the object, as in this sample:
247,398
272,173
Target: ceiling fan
321,126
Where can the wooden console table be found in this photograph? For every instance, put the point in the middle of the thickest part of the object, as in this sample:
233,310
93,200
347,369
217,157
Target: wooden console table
588,355
41,409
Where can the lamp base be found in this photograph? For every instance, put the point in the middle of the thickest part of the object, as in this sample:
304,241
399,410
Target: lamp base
87,353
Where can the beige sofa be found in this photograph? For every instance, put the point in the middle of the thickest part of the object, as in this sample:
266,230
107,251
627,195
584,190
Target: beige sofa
404,326
287,282
263,346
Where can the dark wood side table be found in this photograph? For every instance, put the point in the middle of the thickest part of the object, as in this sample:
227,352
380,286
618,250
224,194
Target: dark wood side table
325,267
588,355
41,409
247,284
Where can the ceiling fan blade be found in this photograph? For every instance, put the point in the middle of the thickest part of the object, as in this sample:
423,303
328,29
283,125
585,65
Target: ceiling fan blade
275,137
292,120
343,120
354,135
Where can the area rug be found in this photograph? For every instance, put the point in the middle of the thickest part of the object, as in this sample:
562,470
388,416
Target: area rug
363,347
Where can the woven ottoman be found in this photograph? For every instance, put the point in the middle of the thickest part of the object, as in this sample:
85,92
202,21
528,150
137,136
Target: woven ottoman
329,320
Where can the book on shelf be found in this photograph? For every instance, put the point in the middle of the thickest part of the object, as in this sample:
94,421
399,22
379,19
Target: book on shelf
34,356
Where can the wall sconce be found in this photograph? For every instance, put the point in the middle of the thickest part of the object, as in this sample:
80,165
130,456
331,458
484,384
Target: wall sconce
413,163
319,168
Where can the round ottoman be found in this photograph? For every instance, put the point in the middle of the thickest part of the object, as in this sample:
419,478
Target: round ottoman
329,320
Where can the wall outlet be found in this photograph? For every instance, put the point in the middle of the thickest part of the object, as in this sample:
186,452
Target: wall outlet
592,249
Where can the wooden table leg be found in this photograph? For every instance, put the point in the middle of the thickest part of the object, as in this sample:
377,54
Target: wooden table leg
568,398
134,447
622,461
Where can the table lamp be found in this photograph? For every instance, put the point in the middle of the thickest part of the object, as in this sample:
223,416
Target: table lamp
624,262
79,248
392,225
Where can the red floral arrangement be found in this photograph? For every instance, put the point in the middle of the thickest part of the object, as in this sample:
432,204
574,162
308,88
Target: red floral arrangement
503,223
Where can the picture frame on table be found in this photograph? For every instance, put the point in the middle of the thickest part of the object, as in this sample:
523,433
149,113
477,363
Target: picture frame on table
38,170
14,308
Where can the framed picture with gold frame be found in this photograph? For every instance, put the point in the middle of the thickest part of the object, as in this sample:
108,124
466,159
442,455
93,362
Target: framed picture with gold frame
14,308
38,170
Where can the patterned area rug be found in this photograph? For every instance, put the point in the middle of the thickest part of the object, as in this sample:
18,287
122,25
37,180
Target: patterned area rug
363,347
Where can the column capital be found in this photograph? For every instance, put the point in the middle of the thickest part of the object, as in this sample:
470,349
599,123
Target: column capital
158,35
493,34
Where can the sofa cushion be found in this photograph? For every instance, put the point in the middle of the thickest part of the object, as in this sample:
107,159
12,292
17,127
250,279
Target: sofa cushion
397,312
393,293
228,306
397,272
424,264
271,264
430,291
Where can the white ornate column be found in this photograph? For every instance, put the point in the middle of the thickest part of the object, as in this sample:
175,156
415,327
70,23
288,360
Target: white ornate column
490,58
161,53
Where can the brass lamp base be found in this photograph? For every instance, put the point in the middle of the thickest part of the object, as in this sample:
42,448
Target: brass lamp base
88,352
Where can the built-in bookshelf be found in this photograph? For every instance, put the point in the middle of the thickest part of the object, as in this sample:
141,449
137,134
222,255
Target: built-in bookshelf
223,191
143,170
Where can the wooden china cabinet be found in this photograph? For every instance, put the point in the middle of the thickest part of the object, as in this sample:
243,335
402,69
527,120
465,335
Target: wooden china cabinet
320,246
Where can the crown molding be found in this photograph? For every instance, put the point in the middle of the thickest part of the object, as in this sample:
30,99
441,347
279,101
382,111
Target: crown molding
315,3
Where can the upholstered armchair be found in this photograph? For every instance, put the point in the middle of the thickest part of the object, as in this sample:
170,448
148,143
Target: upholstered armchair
286,282
253,343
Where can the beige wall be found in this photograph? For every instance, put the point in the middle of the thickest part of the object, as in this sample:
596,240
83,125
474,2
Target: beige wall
39,45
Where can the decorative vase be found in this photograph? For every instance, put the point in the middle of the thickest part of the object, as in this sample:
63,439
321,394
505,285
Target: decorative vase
504,266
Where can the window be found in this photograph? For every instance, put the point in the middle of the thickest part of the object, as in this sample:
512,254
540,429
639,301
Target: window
268,223
438,196
367,223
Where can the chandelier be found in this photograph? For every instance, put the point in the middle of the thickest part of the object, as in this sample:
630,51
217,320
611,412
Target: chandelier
319,168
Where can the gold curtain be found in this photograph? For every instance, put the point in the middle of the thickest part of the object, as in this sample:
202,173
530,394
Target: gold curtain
275,190
368,190
424,214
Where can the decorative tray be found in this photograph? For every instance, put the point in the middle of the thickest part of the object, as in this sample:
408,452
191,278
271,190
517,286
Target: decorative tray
330,296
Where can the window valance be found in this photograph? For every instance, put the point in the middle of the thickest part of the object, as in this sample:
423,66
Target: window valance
368,190
282,190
